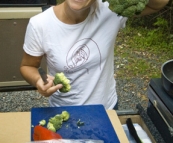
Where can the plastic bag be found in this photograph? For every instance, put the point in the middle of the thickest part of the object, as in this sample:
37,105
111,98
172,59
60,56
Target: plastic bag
141,133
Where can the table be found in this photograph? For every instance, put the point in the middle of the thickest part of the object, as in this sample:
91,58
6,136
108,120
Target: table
15,127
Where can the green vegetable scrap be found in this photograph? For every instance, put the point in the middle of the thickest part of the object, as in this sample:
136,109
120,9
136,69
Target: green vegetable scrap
79,123
51,127
55,123
65,115
60,78
128,8
42,122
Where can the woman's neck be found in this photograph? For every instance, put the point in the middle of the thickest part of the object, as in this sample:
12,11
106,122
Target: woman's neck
69,16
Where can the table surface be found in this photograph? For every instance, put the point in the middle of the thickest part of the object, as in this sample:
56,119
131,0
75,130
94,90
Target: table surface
15,127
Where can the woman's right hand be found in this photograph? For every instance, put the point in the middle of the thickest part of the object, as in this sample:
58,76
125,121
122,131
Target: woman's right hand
49,88
30,65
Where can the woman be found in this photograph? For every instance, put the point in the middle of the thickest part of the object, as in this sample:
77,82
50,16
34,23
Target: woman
76,37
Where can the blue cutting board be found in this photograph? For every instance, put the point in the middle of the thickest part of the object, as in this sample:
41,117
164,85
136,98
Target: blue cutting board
96,126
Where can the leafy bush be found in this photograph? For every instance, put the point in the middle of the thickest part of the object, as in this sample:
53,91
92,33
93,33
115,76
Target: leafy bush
145,44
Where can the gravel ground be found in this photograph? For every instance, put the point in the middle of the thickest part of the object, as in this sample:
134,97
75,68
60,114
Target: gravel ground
129,92
132,92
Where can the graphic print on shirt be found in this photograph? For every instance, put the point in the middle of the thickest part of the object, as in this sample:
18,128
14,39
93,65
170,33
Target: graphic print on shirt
80,54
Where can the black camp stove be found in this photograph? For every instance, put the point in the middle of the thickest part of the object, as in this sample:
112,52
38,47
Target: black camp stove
160,109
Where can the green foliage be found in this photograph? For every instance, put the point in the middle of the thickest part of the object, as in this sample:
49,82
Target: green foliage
127,8
159,35
156,39
144,47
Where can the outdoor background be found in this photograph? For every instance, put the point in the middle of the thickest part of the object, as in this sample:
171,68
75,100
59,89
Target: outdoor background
140,50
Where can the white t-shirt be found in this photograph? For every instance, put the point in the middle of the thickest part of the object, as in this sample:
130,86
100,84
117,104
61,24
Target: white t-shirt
83,51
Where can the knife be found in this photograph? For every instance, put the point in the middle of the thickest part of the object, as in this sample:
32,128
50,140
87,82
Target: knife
43,75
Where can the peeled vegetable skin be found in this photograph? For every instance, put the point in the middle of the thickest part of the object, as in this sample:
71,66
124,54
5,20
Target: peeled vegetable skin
128,8
60,78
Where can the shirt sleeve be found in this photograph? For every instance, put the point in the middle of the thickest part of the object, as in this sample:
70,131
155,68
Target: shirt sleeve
32,41
123,21
121,18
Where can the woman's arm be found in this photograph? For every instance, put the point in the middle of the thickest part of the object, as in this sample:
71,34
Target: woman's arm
29,70
154,6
